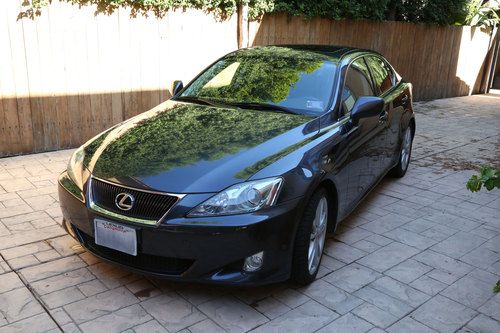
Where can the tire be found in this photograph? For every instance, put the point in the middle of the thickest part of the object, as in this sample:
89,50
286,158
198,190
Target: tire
404,154
316,214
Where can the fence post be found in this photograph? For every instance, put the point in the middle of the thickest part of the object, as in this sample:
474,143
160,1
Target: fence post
243,25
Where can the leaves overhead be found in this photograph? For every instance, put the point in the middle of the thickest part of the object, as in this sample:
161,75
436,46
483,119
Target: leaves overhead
443,12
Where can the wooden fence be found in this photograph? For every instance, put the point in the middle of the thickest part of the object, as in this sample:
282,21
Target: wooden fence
69,73
439,61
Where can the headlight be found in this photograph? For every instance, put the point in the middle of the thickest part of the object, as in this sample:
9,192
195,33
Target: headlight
241,198
75,167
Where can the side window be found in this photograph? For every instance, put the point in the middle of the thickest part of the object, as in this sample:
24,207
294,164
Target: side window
357,84
382,73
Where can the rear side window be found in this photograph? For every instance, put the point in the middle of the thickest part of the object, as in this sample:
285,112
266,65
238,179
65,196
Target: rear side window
357,84
383,75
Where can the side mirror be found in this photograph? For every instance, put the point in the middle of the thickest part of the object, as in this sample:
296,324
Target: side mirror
177,86
367,106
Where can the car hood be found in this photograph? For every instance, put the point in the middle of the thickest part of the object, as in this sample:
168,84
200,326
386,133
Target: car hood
189,148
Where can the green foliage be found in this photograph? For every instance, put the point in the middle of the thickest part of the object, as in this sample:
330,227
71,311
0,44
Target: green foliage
483,14
489,177
444,12
496,288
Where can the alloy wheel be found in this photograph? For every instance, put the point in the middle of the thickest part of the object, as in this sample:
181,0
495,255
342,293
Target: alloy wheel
406,149
318,234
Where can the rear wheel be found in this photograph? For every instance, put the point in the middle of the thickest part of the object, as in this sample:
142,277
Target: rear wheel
310,239
404,155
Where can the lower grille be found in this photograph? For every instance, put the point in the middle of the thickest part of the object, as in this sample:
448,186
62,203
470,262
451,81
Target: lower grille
145,262
146,205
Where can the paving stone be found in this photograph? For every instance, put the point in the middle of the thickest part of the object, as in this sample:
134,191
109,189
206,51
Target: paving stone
458,245
9,281
173,312
270,307
481,257
204,326
468,291
65,245
92,288
366,246
443,276
443,314
36,324
492,307
52,268
33,216
352,277
386,223
374,315
112,276
484,324
152,326
400,291
47,255
308,317
484,276
290,297
70,328
21,262
29,236
21,251
117,321
331,296
18,304
408,271
442,262
348,323
100,304
379,240
353,235
60,316
143,289
231,314
428,285
385,302
343,252
410,238
409,325
62,297
388,256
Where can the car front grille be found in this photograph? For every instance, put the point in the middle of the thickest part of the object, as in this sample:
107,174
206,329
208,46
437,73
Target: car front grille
146,206
145,262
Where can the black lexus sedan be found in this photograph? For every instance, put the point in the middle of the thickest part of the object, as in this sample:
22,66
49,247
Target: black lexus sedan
237,178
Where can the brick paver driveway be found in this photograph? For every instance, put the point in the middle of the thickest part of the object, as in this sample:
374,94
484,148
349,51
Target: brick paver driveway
421,254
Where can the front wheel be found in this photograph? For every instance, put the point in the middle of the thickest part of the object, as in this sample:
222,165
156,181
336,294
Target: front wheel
310,239
404,155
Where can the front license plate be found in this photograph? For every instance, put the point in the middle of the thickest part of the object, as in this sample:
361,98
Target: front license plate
115,236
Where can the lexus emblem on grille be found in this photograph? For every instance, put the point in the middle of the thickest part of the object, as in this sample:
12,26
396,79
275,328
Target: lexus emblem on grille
124,201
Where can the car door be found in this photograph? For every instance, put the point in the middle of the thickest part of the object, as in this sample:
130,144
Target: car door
384,80
365,138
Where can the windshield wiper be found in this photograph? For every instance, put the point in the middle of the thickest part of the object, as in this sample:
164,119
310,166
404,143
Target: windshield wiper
263,106
198,100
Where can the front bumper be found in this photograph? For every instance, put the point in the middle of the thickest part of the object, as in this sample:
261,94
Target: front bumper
195,249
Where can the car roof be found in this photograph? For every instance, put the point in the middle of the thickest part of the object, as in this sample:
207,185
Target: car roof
335,52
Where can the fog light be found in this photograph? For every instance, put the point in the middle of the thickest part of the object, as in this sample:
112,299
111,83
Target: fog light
254,262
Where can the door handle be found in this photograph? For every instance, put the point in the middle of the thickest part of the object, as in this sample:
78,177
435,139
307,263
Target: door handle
384,116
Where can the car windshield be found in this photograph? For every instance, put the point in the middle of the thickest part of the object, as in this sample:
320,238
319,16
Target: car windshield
277,77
